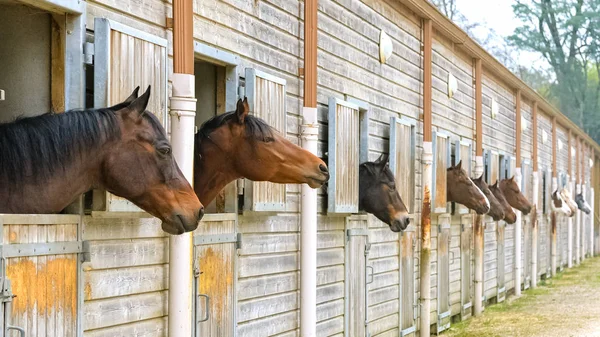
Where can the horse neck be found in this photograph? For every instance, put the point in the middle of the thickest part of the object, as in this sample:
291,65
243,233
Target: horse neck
58,191
211,174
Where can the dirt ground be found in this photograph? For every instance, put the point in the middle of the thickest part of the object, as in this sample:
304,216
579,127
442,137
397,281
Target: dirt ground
568,305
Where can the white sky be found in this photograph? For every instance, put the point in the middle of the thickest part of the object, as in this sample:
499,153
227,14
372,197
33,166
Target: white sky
498,15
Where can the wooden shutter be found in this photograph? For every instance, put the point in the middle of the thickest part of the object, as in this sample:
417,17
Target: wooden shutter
443,274
463,152
466,243
344,144
357,275
408,303
402,159
441,162
267,99
124,59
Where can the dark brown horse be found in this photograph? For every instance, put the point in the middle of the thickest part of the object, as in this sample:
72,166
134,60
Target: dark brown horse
378,194
513,195
496,209
461,189
238,145
509,214
47,161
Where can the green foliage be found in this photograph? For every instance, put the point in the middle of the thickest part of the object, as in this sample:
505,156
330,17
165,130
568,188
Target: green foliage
566,33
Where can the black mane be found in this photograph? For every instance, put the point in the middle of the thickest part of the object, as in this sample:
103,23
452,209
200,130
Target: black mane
255,127
37,147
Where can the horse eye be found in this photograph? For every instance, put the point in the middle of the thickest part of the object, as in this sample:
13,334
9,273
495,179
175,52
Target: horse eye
164,150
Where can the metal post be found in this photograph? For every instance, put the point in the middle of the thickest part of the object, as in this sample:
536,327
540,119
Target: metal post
553,223
478,247
518,230
534,230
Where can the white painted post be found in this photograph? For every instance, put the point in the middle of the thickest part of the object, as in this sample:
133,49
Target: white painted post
425,263
570,185
183,117
578,231
534,231
554,229
518,230
478,247
592,218
308,232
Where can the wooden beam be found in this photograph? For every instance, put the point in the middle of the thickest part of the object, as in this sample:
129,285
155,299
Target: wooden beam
534,126
478,108
310,53
427,79
570,160
577,159
518,128
554,172
183,37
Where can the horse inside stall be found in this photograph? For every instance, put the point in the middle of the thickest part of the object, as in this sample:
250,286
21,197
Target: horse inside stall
558,205
496,209
237,145
378,194
568,199
510,217
461,189
582,204
513,195
47,161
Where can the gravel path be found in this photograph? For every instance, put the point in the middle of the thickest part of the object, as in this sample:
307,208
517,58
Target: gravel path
568,305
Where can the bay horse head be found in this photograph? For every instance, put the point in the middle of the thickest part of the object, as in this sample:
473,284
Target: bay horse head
559,205
496,209
510,216
141,168
238,145
47,161
378,194
582,204
461,189
513,195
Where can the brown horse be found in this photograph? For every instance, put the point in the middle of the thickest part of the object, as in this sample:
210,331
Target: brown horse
47,161
238,145
513,195
378,194
461,189
510,216
496,209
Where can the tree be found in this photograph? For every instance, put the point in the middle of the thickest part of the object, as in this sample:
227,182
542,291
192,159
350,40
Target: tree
565,33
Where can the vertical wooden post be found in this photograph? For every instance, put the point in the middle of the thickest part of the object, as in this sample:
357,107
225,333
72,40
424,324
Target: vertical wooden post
518,177
425,263
478,224
578,181
535,196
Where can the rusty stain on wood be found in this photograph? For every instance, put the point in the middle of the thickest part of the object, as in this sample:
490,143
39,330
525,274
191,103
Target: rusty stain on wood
46,288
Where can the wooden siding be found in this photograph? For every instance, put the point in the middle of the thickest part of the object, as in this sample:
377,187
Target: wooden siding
498,133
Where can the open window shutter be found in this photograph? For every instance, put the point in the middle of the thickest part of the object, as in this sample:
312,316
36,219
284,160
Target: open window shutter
402,159
462,152
124,59
342,191
488,166
494,166
441,162
266,97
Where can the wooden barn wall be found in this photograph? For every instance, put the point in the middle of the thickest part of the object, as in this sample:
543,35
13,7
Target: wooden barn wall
455,117
498,133
544,164
527,133
267,35
125,283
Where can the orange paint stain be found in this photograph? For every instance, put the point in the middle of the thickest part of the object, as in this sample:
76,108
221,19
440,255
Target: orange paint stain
216,281
47,287
12,237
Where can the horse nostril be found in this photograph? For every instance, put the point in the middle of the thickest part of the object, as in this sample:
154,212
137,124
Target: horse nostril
201,213
323,168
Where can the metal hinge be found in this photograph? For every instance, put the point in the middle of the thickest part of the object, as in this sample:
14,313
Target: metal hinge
88,53
240,186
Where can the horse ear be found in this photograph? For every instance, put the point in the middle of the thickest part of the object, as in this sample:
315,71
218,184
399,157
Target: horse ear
139,104
512,178
242,110
127,101
384,158
495,184
459,165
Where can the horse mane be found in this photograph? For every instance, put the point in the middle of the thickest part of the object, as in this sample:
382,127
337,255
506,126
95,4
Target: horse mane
36,147
256,127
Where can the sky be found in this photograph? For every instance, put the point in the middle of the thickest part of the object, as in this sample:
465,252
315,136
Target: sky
498,15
